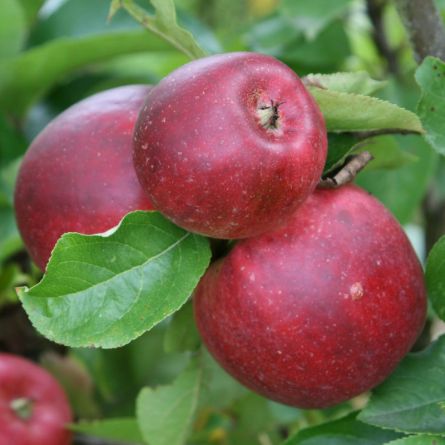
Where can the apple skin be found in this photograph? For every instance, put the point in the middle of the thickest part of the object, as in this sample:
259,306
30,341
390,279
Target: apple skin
78,175
318,311
50,410
205,159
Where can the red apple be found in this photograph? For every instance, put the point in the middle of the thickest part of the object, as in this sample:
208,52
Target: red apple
318,311
77,175
33,407
229,145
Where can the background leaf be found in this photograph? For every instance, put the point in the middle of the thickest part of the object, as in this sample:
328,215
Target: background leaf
105,291
79,18
165,413
403,189
163,23
435,277
431,108
277,37
339,146
220,389
27,77
120,373
10,241
182,334
125,430
31,8
412,398
387,153
12,27
311,17
344,431
325,53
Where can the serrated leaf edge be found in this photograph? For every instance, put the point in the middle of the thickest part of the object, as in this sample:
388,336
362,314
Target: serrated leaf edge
419,130
22,291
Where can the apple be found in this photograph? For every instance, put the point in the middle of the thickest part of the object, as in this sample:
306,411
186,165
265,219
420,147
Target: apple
318,311
77,175
230,145
33,407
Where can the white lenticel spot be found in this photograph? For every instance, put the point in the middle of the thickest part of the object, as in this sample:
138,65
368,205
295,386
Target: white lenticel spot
356,291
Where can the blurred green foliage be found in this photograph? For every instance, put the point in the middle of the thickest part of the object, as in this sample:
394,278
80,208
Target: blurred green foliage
52,54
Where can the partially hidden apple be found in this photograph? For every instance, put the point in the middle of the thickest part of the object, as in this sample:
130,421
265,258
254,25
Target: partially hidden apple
229,145
320,310
33,407
78,175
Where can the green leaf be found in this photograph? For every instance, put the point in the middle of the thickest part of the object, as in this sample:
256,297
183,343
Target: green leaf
312,16
357,83
431,108
419,440
163,24
106,290
339,146
221,389
165,414
412,398
12,142
120,373
272,36
25,78
10,277
355,112
277,37
403,189
31,9
387,153
79,18
325,53
344,431
182,334
118,429
10,241
435,277
12,27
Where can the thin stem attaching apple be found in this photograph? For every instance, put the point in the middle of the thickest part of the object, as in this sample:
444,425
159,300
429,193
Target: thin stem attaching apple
347,172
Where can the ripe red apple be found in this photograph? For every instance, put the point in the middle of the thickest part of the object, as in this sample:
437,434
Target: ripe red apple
77,175
318,311
33,407
229,145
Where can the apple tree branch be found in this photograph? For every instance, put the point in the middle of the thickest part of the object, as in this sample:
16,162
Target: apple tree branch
424,26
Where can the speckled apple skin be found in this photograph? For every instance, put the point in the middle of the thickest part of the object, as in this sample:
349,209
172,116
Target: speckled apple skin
206,161
319,311
78,175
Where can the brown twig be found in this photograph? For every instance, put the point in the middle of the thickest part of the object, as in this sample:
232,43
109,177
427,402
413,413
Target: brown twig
426,32
347,172
376,9
424,26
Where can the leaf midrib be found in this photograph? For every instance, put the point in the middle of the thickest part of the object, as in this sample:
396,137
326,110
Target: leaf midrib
117,275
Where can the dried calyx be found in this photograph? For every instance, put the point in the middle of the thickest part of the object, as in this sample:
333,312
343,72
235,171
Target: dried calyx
22,407
269,115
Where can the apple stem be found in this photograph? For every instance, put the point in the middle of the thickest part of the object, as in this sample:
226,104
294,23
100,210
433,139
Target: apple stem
347,173
22,407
